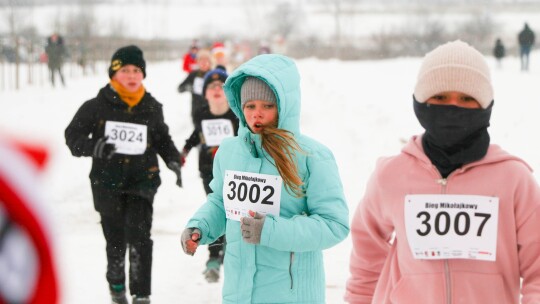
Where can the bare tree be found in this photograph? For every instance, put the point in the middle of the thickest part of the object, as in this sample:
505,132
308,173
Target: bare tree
16,21
480,30
254,13
285,18
337,11
80,30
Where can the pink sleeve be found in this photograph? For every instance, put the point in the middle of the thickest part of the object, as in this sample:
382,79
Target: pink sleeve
371,232
528,237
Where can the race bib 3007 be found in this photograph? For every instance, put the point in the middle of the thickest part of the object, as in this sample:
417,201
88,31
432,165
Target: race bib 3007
452,226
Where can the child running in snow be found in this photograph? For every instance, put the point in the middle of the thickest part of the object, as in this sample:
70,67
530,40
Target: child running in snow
213,123
194,81
276,194
123,130
453,218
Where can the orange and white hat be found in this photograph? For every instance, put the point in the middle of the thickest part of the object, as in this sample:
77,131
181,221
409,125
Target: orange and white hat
218,49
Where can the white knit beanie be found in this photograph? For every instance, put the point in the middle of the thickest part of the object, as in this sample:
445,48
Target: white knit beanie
254,88
454,66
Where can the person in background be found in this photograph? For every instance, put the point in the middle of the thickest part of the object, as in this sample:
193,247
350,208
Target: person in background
220,55
499,52
452,218
213,123
264,48
276,193
123,130
56,53
28,265
526,43
194,81
190,59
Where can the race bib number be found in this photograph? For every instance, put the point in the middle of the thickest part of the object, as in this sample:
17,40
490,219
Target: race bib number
198,83
452,226
129,138
215,130
244,191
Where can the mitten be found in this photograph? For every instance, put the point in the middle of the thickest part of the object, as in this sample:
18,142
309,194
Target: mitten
185,88
252,227
177,169
103,150
183,156
190,240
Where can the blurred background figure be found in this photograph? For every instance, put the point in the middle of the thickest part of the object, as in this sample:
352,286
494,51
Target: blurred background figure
526,42
220,56
499,52
264,48
194,81
190,58
56,53
28,271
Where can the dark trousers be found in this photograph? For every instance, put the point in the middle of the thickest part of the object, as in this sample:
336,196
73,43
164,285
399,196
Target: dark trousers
216,249
128,229
524,56
54,70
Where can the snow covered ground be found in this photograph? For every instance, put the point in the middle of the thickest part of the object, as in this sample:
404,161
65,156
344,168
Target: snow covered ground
362,110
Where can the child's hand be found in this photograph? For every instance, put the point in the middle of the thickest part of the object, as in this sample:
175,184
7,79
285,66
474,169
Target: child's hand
252,227
190,240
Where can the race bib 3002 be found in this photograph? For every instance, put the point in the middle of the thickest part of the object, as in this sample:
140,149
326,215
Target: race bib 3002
244,191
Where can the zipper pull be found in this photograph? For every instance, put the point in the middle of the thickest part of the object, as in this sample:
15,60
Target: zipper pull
442,181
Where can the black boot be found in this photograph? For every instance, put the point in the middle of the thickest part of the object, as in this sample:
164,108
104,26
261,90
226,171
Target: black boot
141,300
118,294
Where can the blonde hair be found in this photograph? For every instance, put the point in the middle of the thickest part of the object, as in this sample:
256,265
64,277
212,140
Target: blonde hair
281,146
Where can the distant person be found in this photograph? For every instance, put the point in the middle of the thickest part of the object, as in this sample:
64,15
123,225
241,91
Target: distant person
214,122
499,52
28,272
526,43
440,222
190,59
123,130
194,81
220,55
264,48
56,53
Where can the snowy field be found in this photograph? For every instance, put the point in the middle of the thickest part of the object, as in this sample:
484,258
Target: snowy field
362,110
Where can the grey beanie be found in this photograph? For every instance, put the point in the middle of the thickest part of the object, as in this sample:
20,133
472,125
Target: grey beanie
254,88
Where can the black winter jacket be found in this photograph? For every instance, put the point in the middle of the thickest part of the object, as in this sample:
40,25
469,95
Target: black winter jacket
206,152
526,37
135,174
194,84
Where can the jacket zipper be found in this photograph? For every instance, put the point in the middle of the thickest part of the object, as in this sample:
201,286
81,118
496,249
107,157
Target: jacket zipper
290,268
443,182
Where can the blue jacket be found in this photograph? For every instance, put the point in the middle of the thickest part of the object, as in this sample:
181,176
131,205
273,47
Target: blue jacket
287,265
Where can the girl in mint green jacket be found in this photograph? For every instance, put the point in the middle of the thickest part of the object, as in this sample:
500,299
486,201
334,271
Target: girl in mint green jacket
277,194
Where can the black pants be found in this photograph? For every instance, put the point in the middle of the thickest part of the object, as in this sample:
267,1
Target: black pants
54,70
129,228
216,249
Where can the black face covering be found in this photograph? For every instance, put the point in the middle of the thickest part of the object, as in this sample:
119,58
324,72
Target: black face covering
454,136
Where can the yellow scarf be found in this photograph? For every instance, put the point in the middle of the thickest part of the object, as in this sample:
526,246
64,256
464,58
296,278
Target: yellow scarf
131,98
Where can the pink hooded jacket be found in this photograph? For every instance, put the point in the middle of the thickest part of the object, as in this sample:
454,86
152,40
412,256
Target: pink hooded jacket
382,267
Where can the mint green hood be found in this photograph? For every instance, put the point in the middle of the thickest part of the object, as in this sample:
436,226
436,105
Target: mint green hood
281,74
